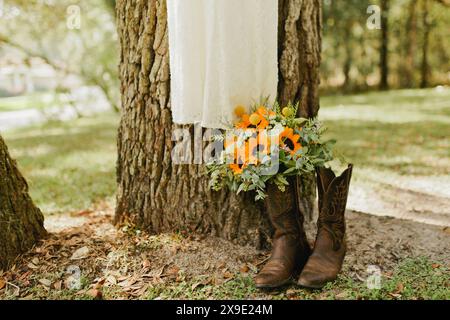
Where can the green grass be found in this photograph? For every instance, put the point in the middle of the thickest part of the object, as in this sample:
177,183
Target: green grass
417,278
30,101
68,165
405,131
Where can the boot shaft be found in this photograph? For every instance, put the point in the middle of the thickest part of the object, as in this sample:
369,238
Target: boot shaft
333,194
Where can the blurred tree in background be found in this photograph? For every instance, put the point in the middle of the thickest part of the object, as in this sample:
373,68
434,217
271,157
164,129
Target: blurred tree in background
413,51
76,38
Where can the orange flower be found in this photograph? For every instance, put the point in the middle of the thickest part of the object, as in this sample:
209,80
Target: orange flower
244,123
264,115
259,144
262,122
243,160
289,141
237,168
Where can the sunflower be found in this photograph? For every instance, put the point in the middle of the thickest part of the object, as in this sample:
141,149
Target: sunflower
290,141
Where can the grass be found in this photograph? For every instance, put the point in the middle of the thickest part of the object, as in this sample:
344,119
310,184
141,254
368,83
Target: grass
71,165
417,278
405,131
30,101
413,279
68,165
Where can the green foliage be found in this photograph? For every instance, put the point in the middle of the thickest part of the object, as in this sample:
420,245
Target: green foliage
281,145
350,48
42,29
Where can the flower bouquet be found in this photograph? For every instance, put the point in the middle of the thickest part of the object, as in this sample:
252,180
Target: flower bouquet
267,145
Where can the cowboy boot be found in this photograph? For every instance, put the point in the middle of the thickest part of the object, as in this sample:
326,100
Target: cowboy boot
329,249
290,248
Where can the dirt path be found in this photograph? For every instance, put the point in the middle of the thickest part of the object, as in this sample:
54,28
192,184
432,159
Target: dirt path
125,264
423,199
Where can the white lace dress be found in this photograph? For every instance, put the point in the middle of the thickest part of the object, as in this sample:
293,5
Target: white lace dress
223,53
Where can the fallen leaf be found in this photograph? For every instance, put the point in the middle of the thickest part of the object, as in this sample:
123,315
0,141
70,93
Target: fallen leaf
435,266
228,275
395,295
35,261
146,263
81,253
196,285
400,288
45,282
173,271
111,280
2,284
32,266
57,285
245,269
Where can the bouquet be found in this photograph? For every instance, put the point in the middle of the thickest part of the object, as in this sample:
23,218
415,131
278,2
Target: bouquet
267,145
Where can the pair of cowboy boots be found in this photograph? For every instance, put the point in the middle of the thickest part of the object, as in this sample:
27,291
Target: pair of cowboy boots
291,253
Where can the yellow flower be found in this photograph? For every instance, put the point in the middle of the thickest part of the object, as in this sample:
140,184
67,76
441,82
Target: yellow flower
290,141
239,111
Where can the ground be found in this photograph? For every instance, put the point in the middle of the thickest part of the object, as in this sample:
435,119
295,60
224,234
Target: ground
401,144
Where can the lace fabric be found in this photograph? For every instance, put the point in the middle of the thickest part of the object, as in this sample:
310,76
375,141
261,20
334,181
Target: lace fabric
223,53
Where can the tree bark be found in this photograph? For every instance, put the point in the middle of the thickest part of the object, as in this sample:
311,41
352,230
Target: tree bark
158,195
384,49
21,222
410,46
425,66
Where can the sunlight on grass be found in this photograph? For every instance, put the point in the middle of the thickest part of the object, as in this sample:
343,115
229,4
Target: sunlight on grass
69,165
30,101
404,131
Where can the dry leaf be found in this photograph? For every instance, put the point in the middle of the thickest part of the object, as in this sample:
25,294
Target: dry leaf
228,275
400,288
79,254
45,282
32,266
57,285
2,284
111,280
245,268
146,263
435,266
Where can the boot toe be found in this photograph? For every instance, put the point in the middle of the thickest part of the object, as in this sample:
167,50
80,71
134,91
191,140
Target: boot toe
314,280
270,280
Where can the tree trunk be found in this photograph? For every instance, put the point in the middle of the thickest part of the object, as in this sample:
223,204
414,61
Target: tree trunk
158,195
410,46
425,67
21,222
384,63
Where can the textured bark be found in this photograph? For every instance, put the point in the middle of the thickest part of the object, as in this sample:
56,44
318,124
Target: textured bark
384,50
21,222
425,66
411,44
153,192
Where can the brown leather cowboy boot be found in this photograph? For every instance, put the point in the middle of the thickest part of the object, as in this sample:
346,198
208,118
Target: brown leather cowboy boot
329,249
290,249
